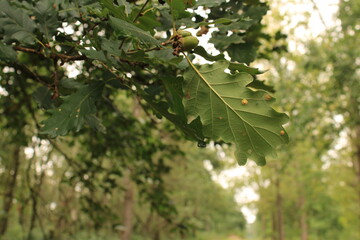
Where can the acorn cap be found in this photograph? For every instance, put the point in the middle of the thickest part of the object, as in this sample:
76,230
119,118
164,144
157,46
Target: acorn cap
184,33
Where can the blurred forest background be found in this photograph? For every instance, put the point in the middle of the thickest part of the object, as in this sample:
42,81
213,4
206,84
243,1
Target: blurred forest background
75,189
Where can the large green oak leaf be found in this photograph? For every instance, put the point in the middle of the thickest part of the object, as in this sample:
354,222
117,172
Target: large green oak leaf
231,112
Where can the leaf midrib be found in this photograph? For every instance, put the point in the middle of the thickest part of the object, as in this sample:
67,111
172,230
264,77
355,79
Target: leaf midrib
219,96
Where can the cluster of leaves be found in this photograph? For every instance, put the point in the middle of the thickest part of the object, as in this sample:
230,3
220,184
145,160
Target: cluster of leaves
109,114
122,38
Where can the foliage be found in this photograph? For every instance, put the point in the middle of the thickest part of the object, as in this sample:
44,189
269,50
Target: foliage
94,95
312,192
123,39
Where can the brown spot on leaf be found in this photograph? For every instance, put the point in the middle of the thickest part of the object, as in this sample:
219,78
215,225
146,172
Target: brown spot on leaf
267,97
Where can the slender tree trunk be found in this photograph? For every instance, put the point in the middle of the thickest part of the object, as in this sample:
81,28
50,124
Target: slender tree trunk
356,161
33,217
303,219
357,140
304,226
263,226
274,232
35,191
279,212
157,235
128,208
148,222
11,184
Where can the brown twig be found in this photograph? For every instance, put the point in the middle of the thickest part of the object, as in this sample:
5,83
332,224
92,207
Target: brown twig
33,75
67,158
56,93
114,73
137,16
63,57
141,10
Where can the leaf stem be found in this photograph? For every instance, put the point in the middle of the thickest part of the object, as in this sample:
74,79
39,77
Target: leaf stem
172,17
139,14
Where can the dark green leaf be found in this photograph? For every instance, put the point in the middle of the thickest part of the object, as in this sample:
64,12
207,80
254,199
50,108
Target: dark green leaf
73,112
241,67
177,9
117,11
7,53
202,52
222,42
16,24
47,16
224,21
208,3
42,96
244,52
126,29
70,83
257,84
94,54
192,131
174,87
165,56
148,22
95,123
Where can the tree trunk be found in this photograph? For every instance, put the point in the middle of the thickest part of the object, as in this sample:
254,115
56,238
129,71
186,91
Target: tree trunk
357,157
9,193
356,160
303,219
274,233
128,208
279,212
35,191
263,226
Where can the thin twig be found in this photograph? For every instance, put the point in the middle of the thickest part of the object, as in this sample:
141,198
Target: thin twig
56,93
33,75
114,73
137,16
320,15
67,158
63,57
141,10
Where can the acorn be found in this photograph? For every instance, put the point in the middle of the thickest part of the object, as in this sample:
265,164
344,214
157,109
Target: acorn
184,33
188,43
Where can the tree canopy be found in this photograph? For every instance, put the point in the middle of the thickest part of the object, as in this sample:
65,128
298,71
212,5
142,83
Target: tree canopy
100,96
121,117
